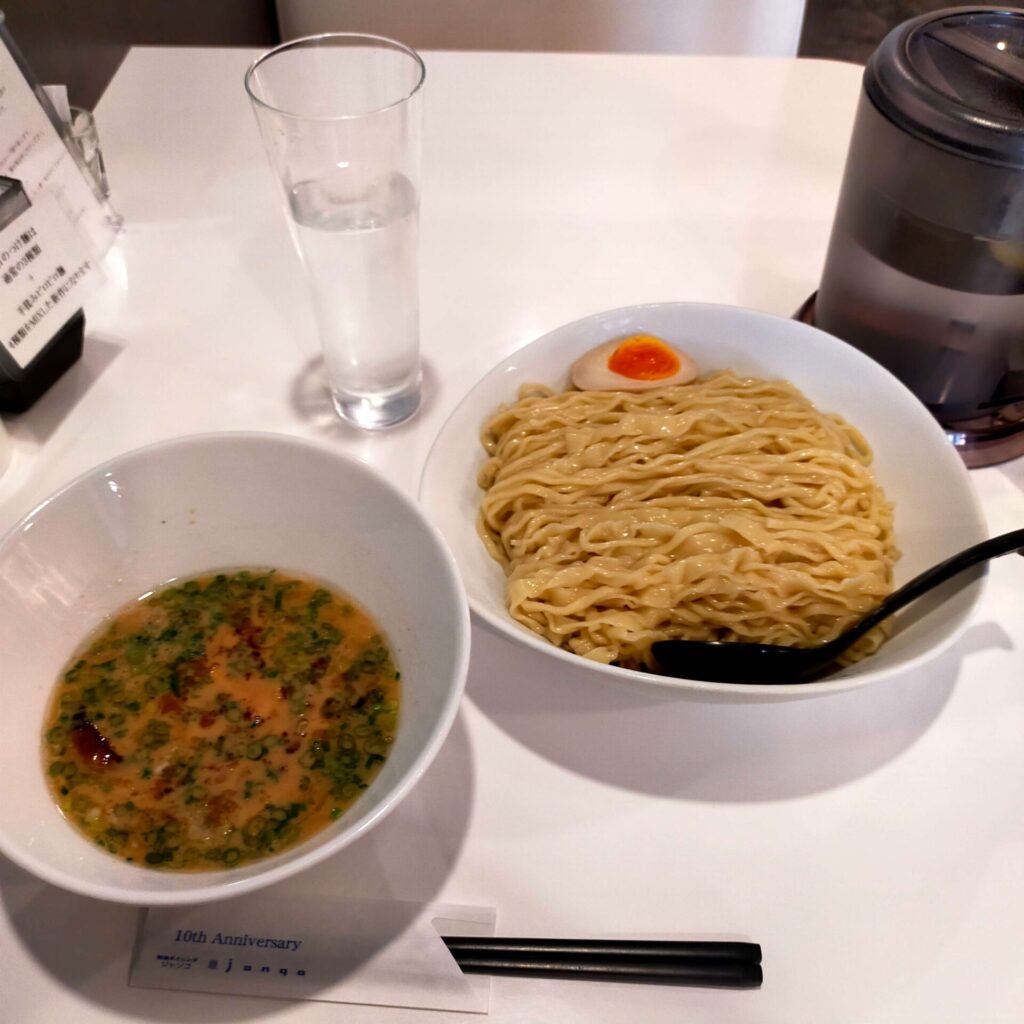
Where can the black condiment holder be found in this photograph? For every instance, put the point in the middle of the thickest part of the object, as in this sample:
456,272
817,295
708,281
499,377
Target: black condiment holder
21,388
981,440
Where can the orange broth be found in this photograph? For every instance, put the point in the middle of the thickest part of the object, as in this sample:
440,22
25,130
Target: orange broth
220,720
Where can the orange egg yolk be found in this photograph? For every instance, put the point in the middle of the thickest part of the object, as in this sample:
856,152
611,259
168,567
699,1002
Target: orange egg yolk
643,357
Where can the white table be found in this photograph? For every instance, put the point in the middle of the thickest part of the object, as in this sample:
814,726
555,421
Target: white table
872,841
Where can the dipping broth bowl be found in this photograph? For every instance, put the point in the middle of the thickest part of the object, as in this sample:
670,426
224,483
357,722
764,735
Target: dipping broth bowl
189,507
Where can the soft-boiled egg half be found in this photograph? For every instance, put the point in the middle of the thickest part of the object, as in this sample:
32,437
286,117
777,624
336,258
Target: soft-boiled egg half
637,363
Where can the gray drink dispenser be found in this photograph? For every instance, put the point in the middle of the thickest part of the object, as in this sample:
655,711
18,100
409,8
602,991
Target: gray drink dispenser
925,266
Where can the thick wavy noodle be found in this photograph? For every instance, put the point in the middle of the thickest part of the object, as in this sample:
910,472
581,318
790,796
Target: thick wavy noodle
727,509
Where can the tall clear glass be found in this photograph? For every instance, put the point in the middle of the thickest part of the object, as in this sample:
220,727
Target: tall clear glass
340,115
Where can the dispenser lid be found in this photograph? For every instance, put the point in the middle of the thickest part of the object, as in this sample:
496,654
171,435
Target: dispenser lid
956,78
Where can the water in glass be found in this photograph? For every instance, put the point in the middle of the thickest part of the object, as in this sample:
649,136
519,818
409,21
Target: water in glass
358,242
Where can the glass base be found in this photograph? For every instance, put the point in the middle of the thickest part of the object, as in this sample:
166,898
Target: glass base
377,412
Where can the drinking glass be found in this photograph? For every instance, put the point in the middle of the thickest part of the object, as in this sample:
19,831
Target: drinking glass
340,116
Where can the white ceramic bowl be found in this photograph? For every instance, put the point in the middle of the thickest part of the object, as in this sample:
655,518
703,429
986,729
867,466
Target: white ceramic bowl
936,511
180,509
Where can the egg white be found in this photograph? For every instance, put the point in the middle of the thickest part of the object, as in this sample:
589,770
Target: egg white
591,372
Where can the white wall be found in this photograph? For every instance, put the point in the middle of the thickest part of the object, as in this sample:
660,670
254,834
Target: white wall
765,27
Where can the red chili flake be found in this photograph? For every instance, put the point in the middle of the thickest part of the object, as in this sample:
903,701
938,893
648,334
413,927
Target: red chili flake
90,744
192,674
292,747
318,668
249,633
169,704
209,717
219,808
285,692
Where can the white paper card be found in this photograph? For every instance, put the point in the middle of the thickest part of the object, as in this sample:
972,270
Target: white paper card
44,275
378,952
32,151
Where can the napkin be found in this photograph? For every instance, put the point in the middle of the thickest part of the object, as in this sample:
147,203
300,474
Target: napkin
378,952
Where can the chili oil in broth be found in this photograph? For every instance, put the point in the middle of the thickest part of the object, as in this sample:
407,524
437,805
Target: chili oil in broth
221,719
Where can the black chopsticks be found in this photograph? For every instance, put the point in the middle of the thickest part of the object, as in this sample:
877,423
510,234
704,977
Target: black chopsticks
712,964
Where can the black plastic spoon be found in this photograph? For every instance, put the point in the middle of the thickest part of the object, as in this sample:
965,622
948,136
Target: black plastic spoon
774,665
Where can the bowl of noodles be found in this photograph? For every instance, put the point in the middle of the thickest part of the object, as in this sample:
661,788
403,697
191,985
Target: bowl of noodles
777,498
